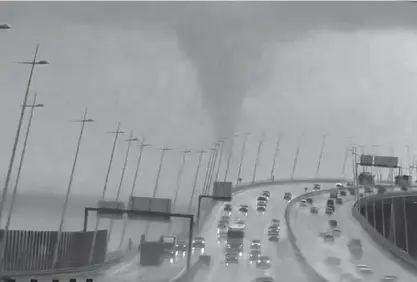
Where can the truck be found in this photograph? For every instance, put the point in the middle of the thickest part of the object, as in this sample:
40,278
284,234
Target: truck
333,194
169,243
235,236
151,253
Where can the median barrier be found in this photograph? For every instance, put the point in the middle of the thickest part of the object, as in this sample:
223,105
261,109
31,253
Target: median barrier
239,188
396,253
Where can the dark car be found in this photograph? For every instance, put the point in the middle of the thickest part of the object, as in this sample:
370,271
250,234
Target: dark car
254,255
231,258
262,199
287,196
339,201
329,211
182,246
309,201
227,207
343,193
260,208
333,223
266,194
273,238
243,210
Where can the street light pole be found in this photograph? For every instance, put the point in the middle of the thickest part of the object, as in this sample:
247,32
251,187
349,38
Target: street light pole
213,168
103,194
323,143
229,157
258,155
220,158
142,146
242,156
83,121
15,188
297,152
195,179
178,182
275,156
119,188
209,164
34,62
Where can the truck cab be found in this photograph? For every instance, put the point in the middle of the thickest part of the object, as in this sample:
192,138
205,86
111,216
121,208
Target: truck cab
170,245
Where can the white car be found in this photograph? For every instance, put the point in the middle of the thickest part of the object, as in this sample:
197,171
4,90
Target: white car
303,203
363,269
389,278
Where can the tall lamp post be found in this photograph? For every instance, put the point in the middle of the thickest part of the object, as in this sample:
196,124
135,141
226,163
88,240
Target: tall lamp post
33,106
220,158
34,62
323,143
103,194
83,121
275,156
297,152
200,158
242,156
122,176
229,158
258,155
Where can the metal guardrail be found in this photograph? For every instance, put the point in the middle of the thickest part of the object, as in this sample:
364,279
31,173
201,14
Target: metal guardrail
401,256
184,277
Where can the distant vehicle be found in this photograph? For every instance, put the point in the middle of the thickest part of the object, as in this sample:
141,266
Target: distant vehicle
336,232
332,261
328,238
309,201
342,193
349,184
254,255
273,232
261,204
182,246
303,203
333,194
363,269
244,206
263,262
330,203
355,248
332,223
314,210
231,258
360,195
170,245
273,238
235,236
198,243
266,194
225,218
287,196
339,201
222,231
274,227
329,211
261,208
255,244
389,278
264,279
262,199
241,222
227,207
339,185
275,222
222,224
305,189
369,190
316,187
243,210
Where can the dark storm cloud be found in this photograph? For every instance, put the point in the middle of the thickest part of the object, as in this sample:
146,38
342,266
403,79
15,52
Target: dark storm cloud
223,40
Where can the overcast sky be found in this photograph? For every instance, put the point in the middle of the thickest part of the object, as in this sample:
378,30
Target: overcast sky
186,74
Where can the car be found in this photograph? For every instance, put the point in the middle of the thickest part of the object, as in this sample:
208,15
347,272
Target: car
305,189
227,207
244,206
262,199
349,184
355,248
314,210
336,232
273,232
276,222
339,201
266,194
243,210
369,190
182,246
389,278
309,201
264,279
339,185
222,224
273,238
225,218
360,195
329,211
254,255
198,243
343,193
332,261
316,187
274,228
255,245
222,231
328,237
261,204
263,262
287,196
363,269
231,258
333,223
261,208
303,203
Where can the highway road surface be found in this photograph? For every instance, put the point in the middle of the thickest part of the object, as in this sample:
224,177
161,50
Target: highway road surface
307,227
284,266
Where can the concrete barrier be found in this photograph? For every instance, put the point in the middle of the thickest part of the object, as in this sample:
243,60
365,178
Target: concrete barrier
399,255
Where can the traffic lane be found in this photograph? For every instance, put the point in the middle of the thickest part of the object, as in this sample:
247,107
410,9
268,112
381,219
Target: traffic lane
306,227
373,255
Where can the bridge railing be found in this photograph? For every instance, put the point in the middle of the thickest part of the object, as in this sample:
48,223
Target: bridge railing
358,212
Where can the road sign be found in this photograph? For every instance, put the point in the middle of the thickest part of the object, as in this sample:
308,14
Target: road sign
382,161
117,206
366,160
222,191
150,204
